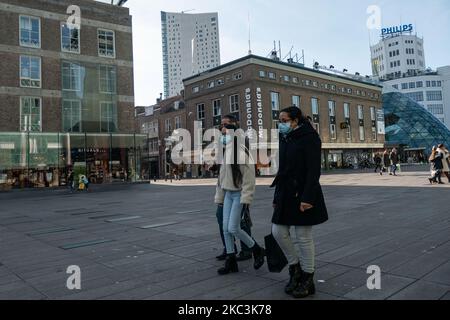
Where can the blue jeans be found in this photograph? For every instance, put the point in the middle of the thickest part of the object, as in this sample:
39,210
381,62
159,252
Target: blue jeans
232,209
246,228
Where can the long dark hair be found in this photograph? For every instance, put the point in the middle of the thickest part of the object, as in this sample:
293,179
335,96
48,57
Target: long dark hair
235,167
295,114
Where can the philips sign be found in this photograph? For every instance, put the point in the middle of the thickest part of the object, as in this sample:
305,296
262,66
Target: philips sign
396,29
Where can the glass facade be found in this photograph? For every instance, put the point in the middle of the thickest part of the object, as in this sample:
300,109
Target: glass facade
37,160
89,97
409,124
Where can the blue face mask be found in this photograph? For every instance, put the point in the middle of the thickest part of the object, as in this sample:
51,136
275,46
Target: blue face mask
226,139
285,128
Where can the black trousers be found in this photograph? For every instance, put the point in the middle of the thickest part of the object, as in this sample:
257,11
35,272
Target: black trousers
219,215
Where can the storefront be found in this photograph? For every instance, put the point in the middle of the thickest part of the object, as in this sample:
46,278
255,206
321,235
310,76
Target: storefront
39,160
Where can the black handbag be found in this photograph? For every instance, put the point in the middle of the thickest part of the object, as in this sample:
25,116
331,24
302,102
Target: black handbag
276,260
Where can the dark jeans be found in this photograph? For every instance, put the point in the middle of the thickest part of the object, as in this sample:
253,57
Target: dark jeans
219,215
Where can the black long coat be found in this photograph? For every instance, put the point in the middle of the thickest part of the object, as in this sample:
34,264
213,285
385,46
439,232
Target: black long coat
298,179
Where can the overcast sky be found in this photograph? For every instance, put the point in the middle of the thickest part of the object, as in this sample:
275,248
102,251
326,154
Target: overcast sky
330,31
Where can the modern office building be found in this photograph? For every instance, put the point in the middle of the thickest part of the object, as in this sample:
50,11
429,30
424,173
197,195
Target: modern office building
66,94
399,53
190,44
346,112
411,128
430,89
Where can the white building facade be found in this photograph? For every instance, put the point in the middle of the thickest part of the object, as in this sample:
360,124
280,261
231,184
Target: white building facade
431,89
190,44
398,55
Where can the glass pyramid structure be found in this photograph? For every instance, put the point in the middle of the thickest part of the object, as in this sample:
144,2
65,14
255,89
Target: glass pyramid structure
411,125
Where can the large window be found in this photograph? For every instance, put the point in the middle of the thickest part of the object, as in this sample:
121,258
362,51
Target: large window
234,103
71,116
201,111
333,131
374,134
434,95
372,114
177,122
416,96
70,39
315,106
362,136
168,125
296,101
275,101
108,116
71,76
436,108
30,114
30,32
332,108
360,112
346,110
106,43
30,72
107,78
217,108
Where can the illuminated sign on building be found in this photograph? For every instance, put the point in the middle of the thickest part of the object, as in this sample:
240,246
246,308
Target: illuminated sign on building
396,29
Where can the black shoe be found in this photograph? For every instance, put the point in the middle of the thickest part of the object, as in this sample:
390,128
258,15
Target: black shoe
295,273
231,265
223,256
306,286
244,255
258,255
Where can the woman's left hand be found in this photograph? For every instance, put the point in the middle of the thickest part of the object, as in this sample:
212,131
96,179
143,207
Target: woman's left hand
305,206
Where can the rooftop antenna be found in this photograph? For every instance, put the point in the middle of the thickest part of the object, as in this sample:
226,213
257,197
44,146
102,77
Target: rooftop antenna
249,36
187,10
279,46
289,54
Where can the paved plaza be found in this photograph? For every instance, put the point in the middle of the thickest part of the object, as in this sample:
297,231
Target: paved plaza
159,241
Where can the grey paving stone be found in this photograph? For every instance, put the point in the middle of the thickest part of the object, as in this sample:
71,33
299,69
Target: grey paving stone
421,290
389,286
344,283
420,266
235,291
440,274
390,261
178,261
140,293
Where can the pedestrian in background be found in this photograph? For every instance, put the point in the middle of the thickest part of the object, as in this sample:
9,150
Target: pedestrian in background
386,161
71,181
298,199
394,161
445,160
436,166
377,159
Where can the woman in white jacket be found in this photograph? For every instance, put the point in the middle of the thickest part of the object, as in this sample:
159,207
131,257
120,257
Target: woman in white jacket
235,189
445,159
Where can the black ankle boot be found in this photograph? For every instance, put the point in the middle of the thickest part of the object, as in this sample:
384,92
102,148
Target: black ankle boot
295,273
306,286
222,256
231,265
258,256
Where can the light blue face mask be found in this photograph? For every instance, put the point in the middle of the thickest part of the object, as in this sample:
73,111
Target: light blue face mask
285,128
226,139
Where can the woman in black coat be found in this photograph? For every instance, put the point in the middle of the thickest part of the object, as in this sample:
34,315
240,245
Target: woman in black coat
298,199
